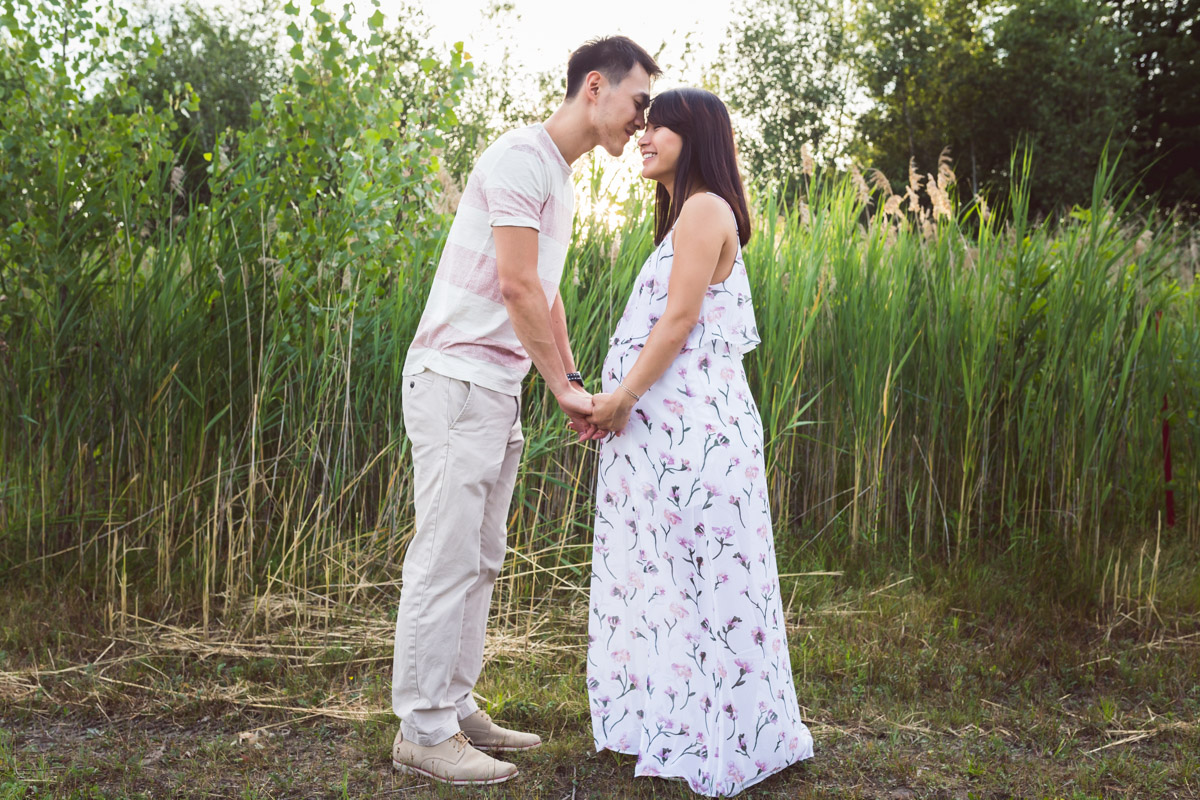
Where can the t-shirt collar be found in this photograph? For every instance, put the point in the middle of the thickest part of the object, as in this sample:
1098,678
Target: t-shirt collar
544,137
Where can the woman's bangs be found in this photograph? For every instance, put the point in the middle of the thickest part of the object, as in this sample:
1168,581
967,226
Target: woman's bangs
667,110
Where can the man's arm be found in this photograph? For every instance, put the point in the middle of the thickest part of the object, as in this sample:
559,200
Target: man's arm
521,289
558,324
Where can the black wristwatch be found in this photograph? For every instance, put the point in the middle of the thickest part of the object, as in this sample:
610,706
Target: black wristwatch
575,377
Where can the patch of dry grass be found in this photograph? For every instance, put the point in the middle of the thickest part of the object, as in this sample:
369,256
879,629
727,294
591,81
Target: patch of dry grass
938,686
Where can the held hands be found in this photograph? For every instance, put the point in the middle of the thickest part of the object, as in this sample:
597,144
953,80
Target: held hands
595,416
610,412
577,404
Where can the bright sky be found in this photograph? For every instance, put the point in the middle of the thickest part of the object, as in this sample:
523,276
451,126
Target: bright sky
544,32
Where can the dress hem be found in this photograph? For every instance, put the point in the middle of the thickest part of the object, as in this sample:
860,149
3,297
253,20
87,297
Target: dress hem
638,773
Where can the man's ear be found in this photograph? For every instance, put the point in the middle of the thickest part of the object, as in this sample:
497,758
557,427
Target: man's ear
592,83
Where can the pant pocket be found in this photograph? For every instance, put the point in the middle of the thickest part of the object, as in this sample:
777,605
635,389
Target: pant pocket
457,388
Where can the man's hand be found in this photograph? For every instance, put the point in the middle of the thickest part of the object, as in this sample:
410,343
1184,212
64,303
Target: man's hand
611,411
577,404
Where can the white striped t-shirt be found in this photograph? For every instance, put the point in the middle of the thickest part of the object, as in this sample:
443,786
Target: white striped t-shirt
521,180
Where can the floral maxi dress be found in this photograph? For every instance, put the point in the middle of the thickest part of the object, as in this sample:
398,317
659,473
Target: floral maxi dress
688,665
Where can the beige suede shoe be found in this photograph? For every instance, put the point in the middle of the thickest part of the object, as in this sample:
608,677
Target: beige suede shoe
487,735
453,761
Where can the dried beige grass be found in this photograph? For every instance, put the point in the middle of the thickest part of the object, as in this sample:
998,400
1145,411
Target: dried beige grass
939,198
928,229
447,200
945,174
1143,243
807,165
913,190
984,212
880,181
177,175
860,185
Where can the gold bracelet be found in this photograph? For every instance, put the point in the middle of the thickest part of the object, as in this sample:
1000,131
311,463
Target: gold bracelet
632,394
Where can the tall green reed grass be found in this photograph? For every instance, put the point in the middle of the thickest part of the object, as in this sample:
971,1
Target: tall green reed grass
199,411
978,387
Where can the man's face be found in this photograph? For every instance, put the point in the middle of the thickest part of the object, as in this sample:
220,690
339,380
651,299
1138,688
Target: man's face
621,109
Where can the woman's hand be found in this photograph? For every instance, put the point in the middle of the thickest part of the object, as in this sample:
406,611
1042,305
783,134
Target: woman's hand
611,411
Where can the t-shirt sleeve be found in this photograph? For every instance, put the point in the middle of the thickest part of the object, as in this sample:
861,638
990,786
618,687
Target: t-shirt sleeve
516,189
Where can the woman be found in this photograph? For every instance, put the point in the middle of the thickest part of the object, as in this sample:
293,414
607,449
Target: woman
688,664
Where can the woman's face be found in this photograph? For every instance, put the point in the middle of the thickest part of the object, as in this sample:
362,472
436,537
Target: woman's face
660,147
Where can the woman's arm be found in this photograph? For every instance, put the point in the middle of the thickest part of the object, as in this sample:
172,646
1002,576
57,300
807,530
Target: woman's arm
702,232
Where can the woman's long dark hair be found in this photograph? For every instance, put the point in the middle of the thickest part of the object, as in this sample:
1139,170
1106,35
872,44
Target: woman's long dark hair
708,156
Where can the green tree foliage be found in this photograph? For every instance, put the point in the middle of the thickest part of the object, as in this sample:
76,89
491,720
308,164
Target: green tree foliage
230,60
1061,79
922,63
66,152
1165,51
785,74
983,78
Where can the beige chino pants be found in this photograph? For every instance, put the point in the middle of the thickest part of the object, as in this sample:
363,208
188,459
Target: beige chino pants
466,445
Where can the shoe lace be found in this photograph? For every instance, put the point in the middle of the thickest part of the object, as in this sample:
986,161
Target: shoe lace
461,741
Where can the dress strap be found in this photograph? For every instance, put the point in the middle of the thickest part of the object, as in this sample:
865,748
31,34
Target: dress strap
726,202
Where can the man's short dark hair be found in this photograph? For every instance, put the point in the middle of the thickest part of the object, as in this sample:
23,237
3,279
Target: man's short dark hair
612,56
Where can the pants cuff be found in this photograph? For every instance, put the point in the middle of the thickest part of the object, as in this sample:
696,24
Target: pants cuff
466,707
427,738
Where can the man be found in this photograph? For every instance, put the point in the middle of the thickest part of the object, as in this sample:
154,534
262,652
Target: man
494,308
